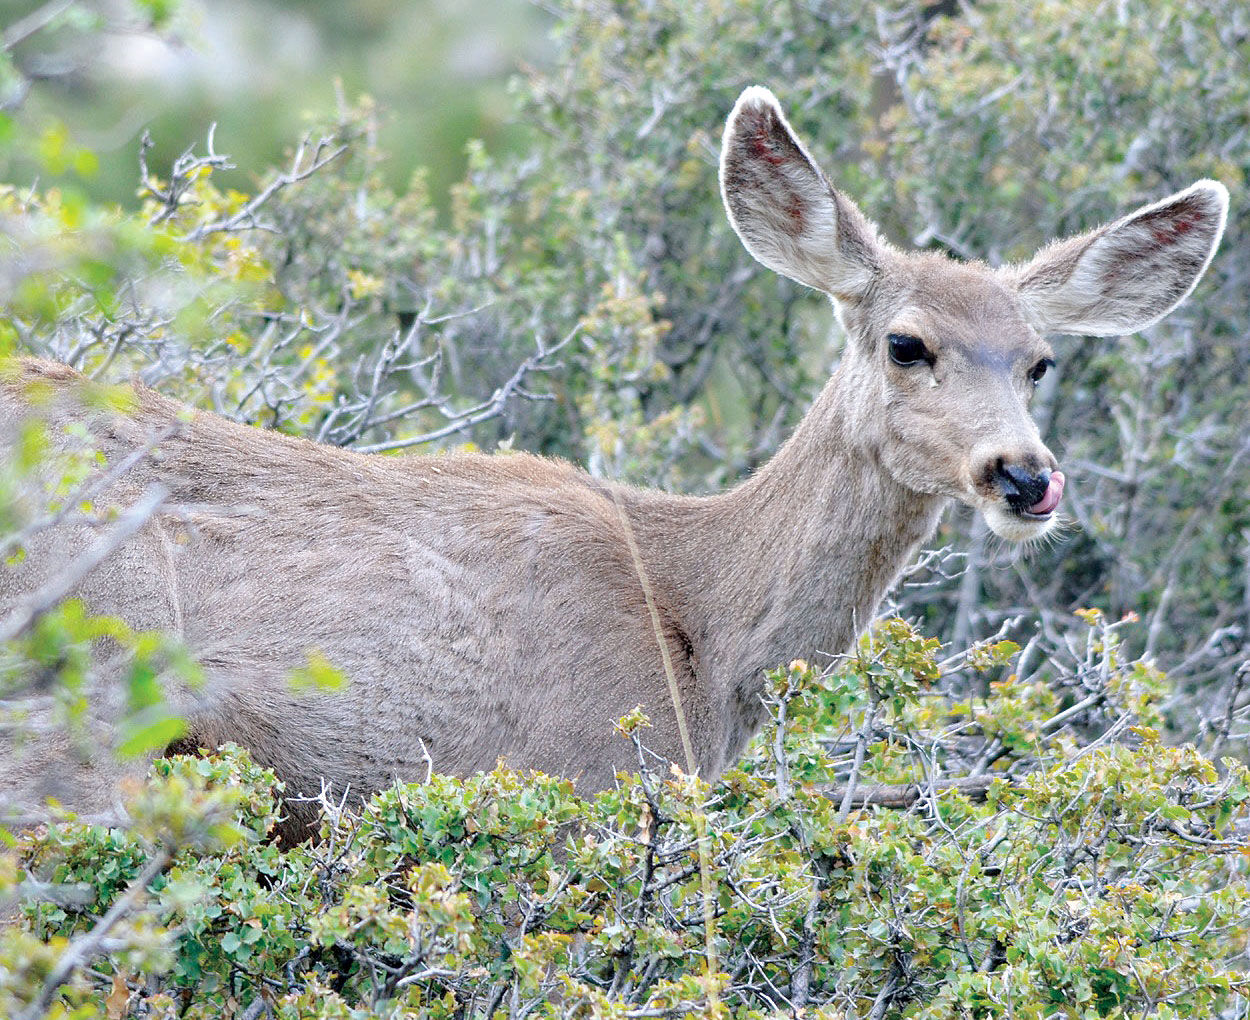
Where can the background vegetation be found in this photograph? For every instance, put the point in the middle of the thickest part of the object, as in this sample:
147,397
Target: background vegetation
578,292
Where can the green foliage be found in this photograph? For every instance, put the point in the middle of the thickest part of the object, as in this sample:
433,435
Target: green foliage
60,643
1095,876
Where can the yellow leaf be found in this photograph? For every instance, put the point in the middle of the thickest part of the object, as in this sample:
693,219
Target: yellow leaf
363,285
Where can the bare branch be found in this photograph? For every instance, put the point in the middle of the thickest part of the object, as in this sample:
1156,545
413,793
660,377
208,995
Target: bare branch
36,21
84,948
904,795
488,409
26,612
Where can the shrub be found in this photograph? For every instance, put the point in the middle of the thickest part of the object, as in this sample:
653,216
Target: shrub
1042,854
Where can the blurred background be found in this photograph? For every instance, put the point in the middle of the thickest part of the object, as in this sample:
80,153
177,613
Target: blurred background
262,71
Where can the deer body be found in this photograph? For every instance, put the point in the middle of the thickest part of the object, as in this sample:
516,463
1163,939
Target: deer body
493,607
483,607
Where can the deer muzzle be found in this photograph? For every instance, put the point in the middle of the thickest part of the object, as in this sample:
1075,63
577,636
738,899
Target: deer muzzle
1029,494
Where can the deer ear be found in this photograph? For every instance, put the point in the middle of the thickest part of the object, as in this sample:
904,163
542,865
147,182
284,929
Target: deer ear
784,210
1125,276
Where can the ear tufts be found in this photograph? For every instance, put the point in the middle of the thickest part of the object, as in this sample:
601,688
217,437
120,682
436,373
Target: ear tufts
755,96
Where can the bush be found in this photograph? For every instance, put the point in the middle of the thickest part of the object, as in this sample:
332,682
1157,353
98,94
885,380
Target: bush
1056,859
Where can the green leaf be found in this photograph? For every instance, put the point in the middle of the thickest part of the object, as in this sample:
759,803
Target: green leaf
145,733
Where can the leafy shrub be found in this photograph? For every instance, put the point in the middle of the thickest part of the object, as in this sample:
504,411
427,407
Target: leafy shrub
1055,860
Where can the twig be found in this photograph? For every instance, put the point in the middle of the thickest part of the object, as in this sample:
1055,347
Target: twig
800,982
861,748
75,894
885,997
64,582
258,1006
245,218
484,411
36,21
700,819
86,493
87,946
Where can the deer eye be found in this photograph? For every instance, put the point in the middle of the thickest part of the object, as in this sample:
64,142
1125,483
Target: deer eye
1039,370
908,350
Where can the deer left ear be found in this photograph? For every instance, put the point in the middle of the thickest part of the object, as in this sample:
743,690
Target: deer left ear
784,210
1127,275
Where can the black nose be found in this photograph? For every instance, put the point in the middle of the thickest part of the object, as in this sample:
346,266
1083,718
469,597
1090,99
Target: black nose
1020,488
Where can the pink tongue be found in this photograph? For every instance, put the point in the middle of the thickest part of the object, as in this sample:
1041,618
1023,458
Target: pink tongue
1050,499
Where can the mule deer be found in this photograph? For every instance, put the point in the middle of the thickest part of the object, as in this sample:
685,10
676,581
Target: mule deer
489,607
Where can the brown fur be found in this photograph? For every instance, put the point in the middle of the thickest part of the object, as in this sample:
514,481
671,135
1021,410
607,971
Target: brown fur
489,607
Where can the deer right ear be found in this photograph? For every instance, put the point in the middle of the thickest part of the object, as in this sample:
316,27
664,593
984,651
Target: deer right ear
1125,276
784,210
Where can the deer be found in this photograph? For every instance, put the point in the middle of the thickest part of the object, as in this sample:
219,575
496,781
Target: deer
510,608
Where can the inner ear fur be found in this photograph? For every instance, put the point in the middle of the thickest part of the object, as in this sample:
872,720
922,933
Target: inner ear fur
1129,274
784,210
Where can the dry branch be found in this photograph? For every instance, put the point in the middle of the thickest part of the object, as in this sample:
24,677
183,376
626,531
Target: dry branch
904,795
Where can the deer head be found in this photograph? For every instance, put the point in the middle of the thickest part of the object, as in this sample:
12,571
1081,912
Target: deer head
944,355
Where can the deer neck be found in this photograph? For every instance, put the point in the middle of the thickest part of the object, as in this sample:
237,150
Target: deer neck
793,562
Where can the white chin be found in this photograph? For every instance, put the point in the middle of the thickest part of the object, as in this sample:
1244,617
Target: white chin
1015,528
